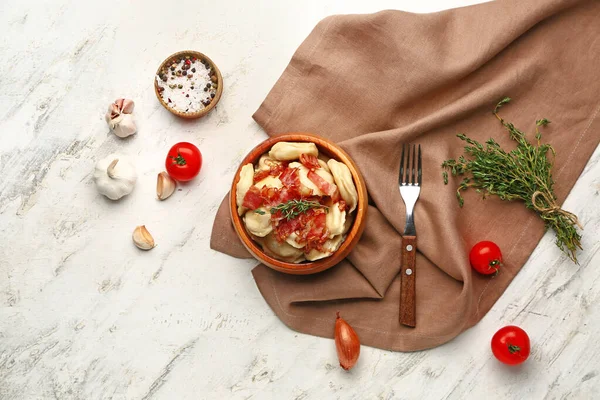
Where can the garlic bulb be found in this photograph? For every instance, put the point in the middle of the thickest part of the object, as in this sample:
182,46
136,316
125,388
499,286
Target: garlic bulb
115,177
142,238
165,186
119,118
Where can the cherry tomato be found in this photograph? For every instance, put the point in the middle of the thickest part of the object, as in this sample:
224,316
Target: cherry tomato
485,257
510,345
183,161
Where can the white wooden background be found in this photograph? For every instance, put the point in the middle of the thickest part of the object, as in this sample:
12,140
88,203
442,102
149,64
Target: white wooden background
85,315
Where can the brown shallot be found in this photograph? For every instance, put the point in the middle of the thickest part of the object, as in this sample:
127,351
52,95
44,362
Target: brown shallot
346,343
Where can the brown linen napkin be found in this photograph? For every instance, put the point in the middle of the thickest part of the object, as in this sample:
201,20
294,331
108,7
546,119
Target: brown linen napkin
373,82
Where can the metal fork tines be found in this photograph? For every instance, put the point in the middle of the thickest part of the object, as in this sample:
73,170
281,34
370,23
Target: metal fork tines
410,188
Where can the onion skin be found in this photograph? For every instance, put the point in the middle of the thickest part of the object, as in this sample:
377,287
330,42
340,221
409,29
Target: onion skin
346,343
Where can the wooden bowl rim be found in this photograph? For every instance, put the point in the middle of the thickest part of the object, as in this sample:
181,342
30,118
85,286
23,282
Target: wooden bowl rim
353,234
213,103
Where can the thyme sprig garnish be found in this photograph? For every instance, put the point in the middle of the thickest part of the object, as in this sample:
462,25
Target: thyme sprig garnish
524,173
293,208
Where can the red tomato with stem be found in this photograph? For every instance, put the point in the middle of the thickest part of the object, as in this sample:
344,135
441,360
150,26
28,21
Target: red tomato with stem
184,161
485,257
510,345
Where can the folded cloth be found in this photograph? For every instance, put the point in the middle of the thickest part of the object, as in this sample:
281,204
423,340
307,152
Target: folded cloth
374,82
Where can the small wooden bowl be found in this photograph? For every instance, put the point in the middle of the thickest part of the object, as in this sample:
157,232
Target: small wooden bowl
311,267
199,56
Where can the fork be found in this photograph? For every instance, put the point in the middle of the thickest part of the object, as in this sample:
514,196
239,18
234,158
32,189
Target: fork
410,188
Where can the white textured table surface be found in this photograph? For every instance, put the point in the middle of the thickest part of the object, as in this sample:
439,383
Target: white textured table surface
85,315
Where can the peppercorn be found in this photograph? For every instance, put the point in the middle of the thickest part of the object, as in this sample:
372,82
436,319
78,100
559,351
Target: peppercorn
213,78
207,66
191,87
208,85
187,61
180,86
193,69
187,95
212,95
206,89
184,73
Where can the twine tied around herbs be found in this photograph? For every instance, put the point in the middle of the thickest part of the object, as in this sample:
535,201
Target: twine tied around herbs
552,207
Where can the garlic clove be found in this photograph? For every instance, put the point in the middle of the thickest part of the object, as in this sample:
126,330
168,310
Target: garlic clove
142,238
113,121
126,105
165,186
123,125
113,111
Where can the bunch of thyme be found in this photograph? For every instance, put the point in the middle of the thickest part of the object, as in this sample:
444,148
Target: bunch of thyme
524,173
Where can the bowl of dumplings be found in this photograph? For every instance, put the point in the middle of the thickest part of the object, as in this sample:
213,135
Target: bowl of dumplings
298,203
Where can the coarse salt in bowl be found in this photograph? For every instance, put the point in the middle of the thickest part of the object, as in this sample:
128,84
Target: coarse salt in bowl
188,84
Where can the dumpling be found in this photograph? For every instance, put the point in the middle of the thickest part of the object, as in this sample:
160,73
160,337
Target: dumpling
299,259
261,240
323,157
348,223
306,185
335,220
246,180
281,251
343,180
258,223
270,181
291,240
323,165
286,151
265,162
329,246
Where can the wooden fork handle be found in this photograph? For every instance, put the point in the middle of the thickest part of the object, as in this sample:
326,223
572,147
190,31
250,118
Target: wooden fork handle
407,278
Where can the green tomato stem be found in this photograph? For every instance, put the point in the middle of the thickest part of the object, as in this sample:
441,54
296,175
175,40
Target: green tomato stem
513,348
179,160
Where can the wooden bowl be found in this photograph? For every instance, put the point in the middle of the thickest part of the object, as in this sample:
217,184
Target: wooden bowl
199,56
308,267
